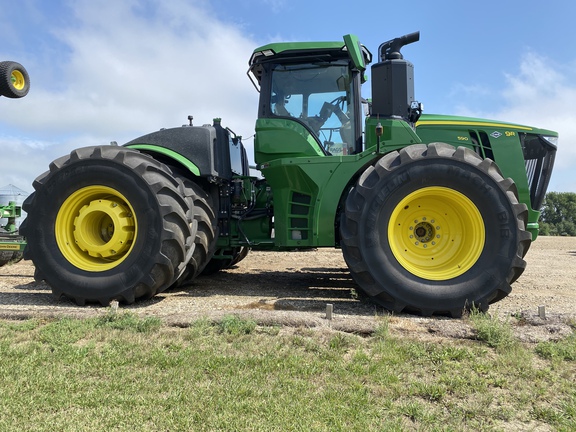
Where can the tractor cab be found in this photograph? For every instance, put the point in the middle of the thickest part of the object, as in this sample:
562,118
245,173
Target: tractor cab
310,102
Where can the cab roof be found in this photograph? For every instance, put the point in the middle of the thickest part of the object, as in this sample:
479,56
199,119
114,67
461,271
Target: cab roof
349,48
303,49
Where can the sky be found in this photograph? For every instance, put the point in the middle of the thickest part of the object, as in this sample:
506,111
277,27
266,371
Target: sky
103,70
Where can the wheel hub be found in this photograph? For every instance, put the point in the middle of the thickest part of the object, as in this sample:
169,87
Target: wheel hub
95,228
436,233
18,80
104,228
424,232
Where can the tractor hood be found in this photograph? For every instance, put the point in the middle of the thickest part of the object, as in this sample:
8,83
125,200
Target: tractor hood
474,122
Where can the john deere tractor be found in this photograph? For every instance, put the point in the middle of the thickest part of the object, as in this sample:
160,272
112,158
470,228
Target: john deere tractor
14,83
433,214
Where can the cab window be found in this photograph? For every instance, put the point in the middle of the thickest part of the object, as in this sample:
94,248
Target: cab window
321,97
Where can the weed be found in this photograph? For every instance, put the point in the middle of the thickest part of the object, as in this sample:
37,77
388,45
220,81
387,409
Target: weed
128,321
382,331
21,326
493,332
340,342
564,349
236,326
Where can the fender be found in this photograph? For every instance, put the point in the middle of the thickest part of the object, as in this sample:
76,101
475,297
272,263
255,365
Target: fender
203,150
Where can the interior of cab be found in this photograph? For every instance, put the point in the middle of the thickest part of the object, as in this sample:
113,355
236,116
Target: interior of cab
320,96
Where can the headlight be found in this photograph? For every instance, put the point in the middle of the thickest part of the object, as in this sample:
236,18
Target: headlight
551,139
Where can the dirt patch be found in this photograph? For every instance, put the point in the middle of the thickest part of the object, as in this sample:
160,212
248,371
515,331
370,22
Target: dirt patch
294,288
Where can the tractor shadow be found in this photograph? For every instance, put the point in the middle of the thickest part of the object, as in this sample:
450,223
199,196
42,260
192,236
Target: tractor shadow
31,293
36,299
302,290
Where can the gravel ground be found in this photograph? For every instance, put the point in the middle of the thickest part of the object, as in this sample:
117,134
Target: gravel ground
294,288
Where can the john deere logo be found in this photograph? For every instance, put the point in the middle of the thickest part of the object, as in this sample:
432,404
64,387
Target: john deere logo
495,134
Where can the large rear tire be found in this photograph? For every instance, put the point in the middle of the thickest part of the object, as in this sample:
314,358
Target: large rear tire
107,223
14,80
434,229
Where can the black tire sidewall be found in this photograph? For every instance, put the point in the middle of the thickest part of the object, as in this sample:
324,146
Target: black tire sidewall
500,233
48,202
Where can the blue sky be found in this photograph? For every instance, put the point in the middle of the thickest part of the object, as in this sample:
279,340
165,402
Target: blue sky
103,70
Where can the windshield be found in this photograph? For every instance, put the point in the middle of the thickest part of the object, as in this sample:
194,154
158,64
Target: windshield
320,96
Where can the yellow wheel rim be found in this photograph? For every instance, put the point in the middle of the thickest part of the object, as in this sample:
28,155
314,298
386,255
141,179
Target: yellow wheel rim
17,79
436,233
96,228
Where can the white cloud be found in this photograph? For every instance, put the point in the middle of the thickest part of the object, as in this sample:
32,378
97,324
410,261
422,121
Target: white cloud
129,70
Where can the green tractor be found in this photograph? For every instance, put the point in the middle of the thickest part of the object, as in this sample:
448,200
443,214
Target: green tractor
433,214
14,83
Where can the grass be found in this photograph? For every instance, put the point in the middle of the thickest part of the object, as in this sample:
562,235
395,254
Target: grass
120,372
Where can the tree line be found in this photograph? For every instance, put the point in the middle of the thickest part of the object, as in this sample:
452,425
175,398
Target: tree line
558,214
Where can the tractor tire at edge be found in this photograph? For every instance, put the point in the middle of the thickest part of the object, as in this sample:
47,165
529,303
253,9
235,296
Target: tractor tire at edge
367,247
154,258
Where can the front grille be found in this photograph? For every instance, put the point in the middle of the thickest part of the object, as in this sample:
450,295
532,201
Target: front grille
539,157
482,144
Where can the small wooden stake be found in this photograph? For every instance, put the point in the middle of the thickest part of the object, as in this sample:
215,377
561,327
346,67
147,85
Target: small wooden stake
542,312
329,310
114,306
